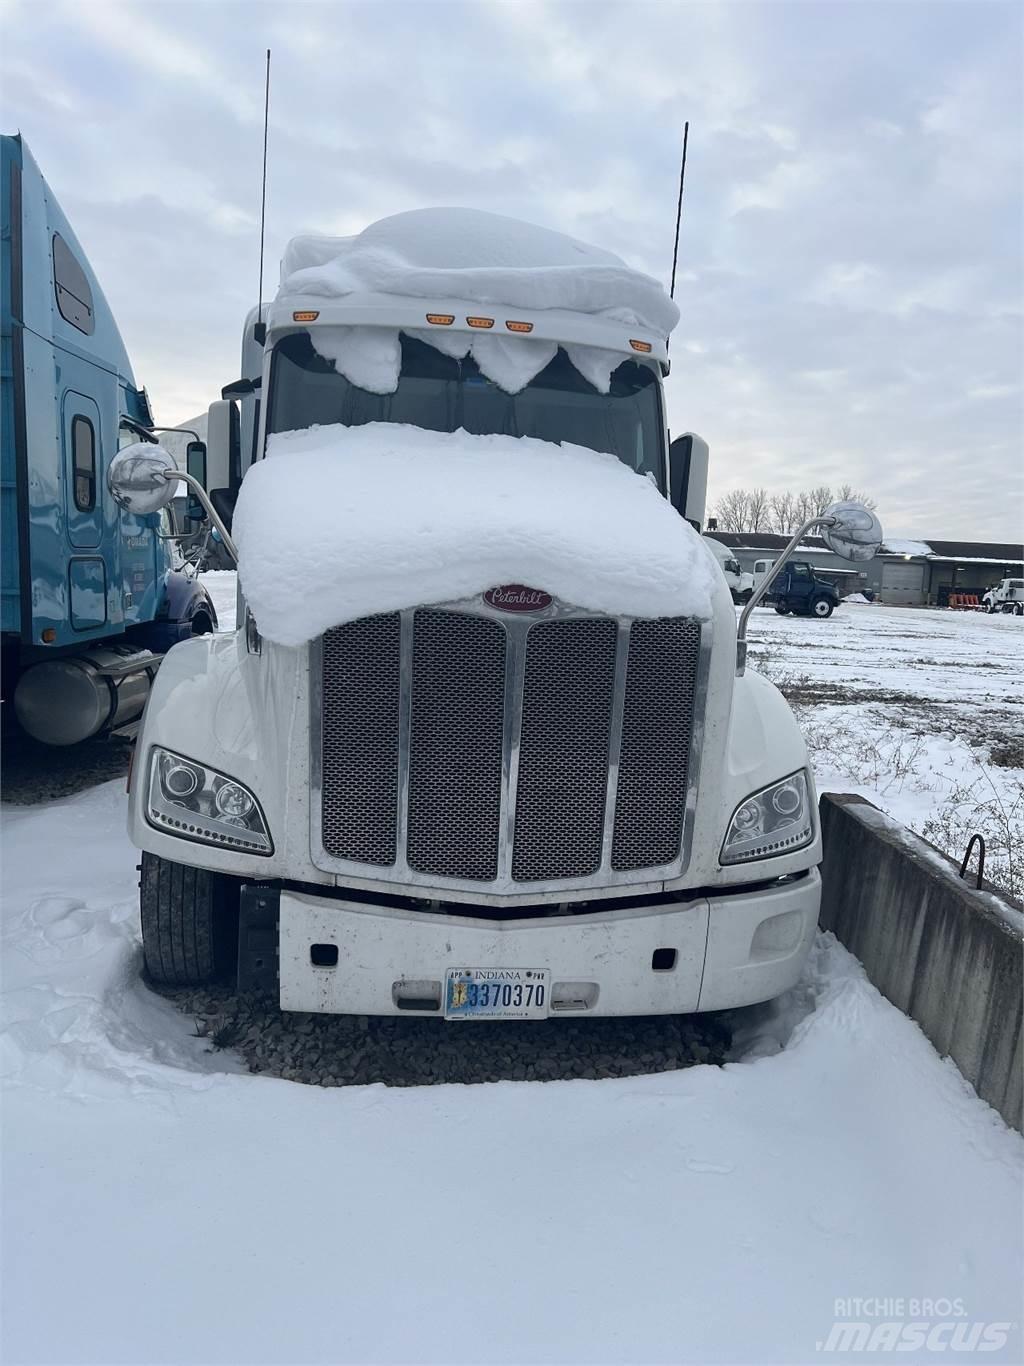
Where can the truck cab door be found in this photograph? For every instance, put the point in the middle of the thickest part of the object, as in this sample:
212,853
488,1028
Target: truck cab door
84,484
801,581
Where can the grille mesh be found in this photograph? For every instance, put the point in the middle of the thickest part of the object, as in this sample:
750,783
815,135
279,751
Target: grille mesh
359,754
455,745
657,726
457,765
563,754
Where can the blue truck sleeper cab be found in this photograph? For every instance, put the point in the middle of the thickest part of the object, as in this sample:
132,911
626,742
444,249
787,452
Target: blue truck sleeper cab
91,599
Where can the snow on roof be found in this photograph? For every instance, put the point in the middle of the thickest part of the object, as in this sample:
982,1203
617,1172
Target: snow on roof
345,522
481,259
972,559
896,546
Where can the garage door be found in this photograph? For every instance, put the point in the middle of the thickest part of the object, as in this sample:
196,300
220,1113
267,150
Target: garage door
903,584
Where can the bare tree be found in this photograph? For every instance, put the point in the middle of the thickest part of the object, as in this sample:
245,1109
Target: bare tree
782,513
732,510
803,508
820,499
846,493
757,510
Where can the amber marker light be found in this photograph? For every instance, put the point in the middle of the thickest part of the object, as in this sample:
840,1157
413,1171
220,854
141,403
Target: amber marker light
480,322
639,345
309,316
441,319
49,636
519,327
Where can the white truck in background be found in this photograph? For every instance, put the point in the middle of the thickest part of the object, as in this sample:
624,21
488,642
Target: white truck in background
741,583
504,805
1005,596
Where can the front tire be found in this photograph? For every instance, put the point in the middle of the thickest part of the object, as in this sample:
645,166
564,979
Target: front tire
189,922
822,607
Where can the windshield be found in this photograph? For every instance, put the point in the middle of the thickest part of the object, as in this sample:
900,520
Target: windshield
442,394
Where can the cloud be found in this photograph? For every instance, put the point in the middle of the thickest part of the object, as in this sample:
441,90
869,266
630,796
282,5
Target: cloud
850,266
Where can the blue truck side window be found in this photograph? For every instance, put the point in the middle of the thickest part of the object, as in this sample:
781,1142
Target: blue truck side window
83,452
74,297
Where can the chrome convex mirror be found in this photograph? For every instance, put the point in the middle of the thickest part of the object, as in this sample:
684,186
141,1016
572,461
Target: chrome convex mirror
142,478
849,529
852,531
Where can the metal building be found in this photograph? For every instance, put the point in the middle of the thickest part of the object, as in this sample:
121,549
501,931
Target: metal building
906,573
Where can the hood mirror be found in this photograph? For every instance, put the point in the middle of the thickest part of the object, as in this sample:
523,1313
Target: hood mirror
143,478
852,531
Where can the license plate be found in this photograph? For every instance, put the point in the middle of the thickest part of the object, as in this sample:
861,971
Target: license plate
496,994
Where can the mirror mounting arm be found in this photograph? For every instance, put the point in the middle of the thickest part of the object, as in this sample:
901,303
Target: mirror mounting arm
766,583
208,508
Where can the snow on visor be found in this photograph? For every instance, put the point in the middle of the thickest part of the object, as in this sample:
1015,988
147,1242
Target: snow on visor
481,259
344,522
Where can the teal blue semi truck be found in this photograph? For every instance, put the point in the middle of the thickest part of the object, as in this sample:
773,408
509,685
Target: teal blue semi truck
92,596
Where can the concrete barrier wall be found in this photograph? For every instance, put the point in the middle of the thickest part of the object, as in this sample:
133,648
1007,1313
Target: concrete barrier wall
950,957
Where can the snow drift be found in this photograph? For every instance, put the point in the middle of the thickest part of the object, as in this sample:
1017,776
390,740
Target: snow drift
344,522
476,258
155,1198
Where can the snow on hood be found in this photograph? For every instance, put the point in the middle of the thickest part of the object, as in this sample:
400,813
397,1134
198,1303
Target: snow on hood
478,258
344,522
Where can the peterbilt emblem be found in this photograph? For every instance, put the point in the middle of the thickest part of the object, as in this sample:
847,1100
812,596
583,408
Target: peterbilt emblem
515,597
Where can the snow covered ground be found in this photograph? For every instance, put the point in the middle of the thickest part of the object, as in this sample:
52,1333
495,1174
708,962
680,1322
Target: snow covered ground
918,710
159,1205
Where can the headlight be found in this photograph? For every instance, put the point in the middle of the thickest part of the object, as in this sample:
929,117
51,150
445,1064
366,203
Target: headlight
197,803
776,820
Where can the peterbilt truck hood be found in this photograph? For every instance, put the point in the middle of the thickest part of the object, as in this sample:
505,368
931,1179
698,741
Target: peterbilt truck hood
339,523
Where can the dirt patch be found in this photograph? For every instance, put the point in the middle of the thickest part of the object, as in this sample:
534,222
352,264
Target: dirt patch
1006,751
35,773
804,692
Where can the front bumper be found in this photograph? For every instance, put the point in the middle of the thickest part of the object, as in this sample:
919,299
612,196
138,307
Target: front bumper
729,950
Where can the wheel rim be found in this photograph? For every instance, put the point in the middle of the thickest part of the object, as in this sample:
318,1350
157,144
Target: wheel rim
821,609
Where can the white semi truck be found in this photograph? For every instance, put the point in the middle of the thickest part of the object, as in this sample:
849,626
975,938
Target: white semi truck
1005,596
741,583
503,803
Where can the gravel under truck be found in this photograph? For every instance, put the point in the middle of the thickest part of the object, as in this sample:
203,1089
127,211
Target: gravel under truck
483,745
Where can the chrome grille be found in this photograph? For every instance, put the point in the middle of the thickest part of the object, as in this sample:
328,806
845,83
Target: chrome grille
455,745
359,747
507,754
568,690
657,728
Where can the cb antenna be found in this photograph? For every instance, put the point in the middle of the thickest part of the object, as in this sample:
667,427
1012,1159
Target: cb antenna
679,206
260,330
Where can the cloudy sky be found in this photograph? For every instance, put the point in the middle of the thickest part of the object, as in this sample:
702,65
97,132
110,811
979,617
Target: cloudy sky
851,257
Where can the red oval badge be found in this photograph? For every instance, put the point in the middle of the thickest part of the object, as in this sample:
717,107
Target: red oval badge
516,597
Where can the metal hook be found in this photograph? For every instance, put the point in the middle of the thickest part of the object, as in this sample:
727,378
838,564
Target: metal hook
980,842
